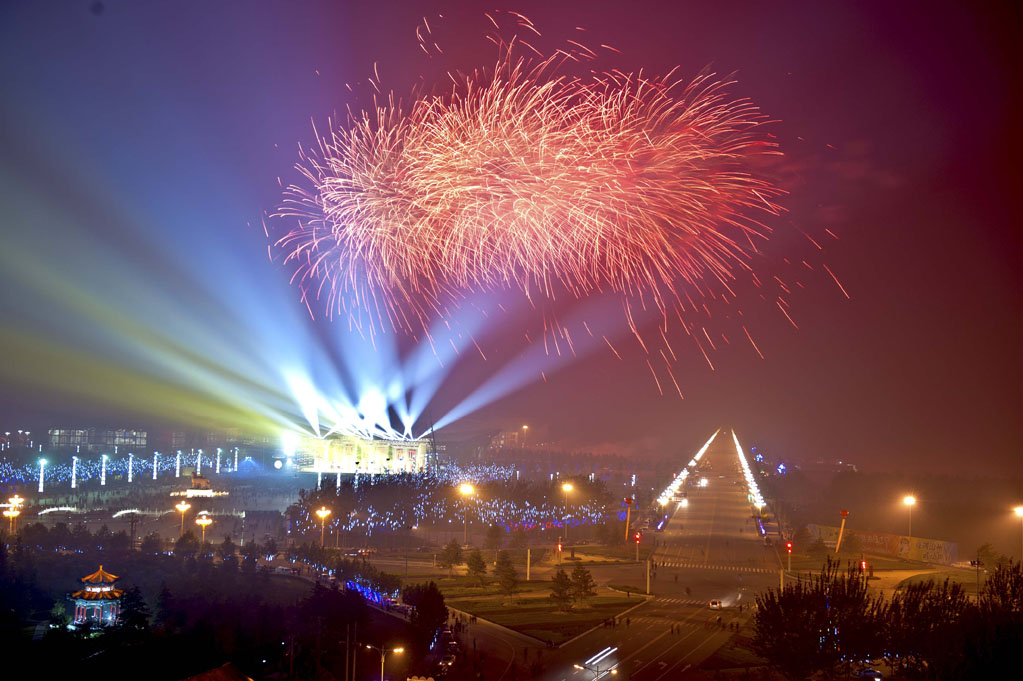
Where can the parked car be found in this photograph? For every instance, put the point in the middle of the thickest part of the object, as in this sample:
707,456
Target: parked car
867,673
715,604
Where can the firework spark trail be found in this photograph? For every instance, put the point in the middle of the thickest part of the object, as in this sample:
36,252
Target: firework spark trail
520,177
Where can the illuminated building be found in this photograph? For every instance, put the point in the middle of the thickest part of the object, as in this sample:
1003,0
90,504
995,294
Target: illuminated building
201,487
99,600
350,454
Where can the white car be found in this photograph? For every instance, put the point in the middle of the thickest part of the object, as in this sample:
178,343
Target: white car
715,604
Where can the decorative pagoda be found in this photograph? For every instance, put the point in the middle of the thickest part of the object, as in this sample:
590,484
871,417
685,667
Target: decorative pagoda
99,600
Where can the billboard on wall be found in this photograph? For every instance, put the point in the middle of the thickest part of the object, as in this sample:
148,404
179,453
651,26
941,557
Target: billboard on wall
910,548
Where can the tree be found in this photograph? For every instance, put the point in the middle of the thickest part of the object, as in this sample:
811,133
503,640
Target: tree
428,609
270,549
494,538
507,576
226,549
812,626
186,546
450,555
476,566
134,610
801,540
924,625
583,586
151,544
561,590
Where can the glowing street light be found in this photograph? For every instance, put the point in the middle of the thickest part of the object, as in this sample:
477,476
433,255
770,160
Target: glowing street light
11,514
177,465
182,506
131,462
910,501
566,488
383,655
323,512
74,472
525,432
103,470
203,521
466,490
42,474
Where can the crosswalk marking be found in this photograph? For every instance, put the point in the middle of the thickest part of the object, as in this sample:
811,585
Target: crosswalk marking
705,566
681,601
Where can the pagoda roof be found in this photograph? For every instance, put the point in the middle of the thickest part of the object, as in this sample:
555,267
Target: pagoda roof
112,595
101,576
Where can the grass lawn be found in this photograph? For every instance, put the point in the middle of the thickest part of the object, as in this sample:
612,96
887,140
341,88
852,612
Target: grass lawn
804,562
967,578
465,587
537,617
621,552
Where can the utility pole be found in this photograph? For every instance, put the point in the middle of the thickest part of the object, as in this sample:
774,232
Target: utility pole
647,576
527,564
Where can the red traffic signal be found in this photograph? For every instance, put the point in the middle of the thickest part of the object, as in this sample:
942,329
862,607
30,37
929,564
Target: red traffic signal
638,536
863,565
788,547
559,548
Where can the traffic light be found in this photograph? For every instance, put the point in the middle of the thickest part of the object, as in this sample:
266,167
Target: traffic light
638,536
559,547
863,566
788,547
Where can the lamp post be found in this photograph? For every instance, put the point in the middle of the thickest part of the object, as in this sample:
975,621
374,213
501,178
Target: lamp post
323,512
74,472
103,470
182,506
383,655
203,521
131,462
156,463
566,488
466,490
11,514
1019,514
525,432
910,501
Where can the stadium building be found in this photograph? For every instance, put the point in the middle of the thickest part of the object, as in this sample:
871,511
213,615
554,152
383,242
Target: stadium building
351,454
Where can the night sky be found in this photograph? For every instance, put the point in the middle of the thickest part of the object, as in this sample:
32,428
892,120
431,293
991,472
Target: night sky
141,144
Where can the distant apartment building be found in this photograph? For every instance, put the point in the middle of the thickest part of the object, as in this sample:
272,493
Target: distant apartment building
97,439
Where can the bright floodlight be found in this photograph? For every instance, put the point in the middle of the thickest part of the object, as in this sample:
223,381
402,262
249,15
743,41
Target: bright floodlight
1019,511
182,506
398,650
323,512
567,487
466,489
909,500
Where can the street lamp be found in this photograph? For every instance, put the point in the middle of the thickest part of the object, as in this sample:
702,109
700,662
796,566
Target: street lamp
182,506
103,470
11,514
323,512
383,655
202,521
566,488
910,501
466,490
525,432
1019,514
42,472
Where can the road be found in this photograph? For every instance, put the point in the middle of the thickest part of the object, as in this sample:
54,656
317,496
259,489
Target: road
709,550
